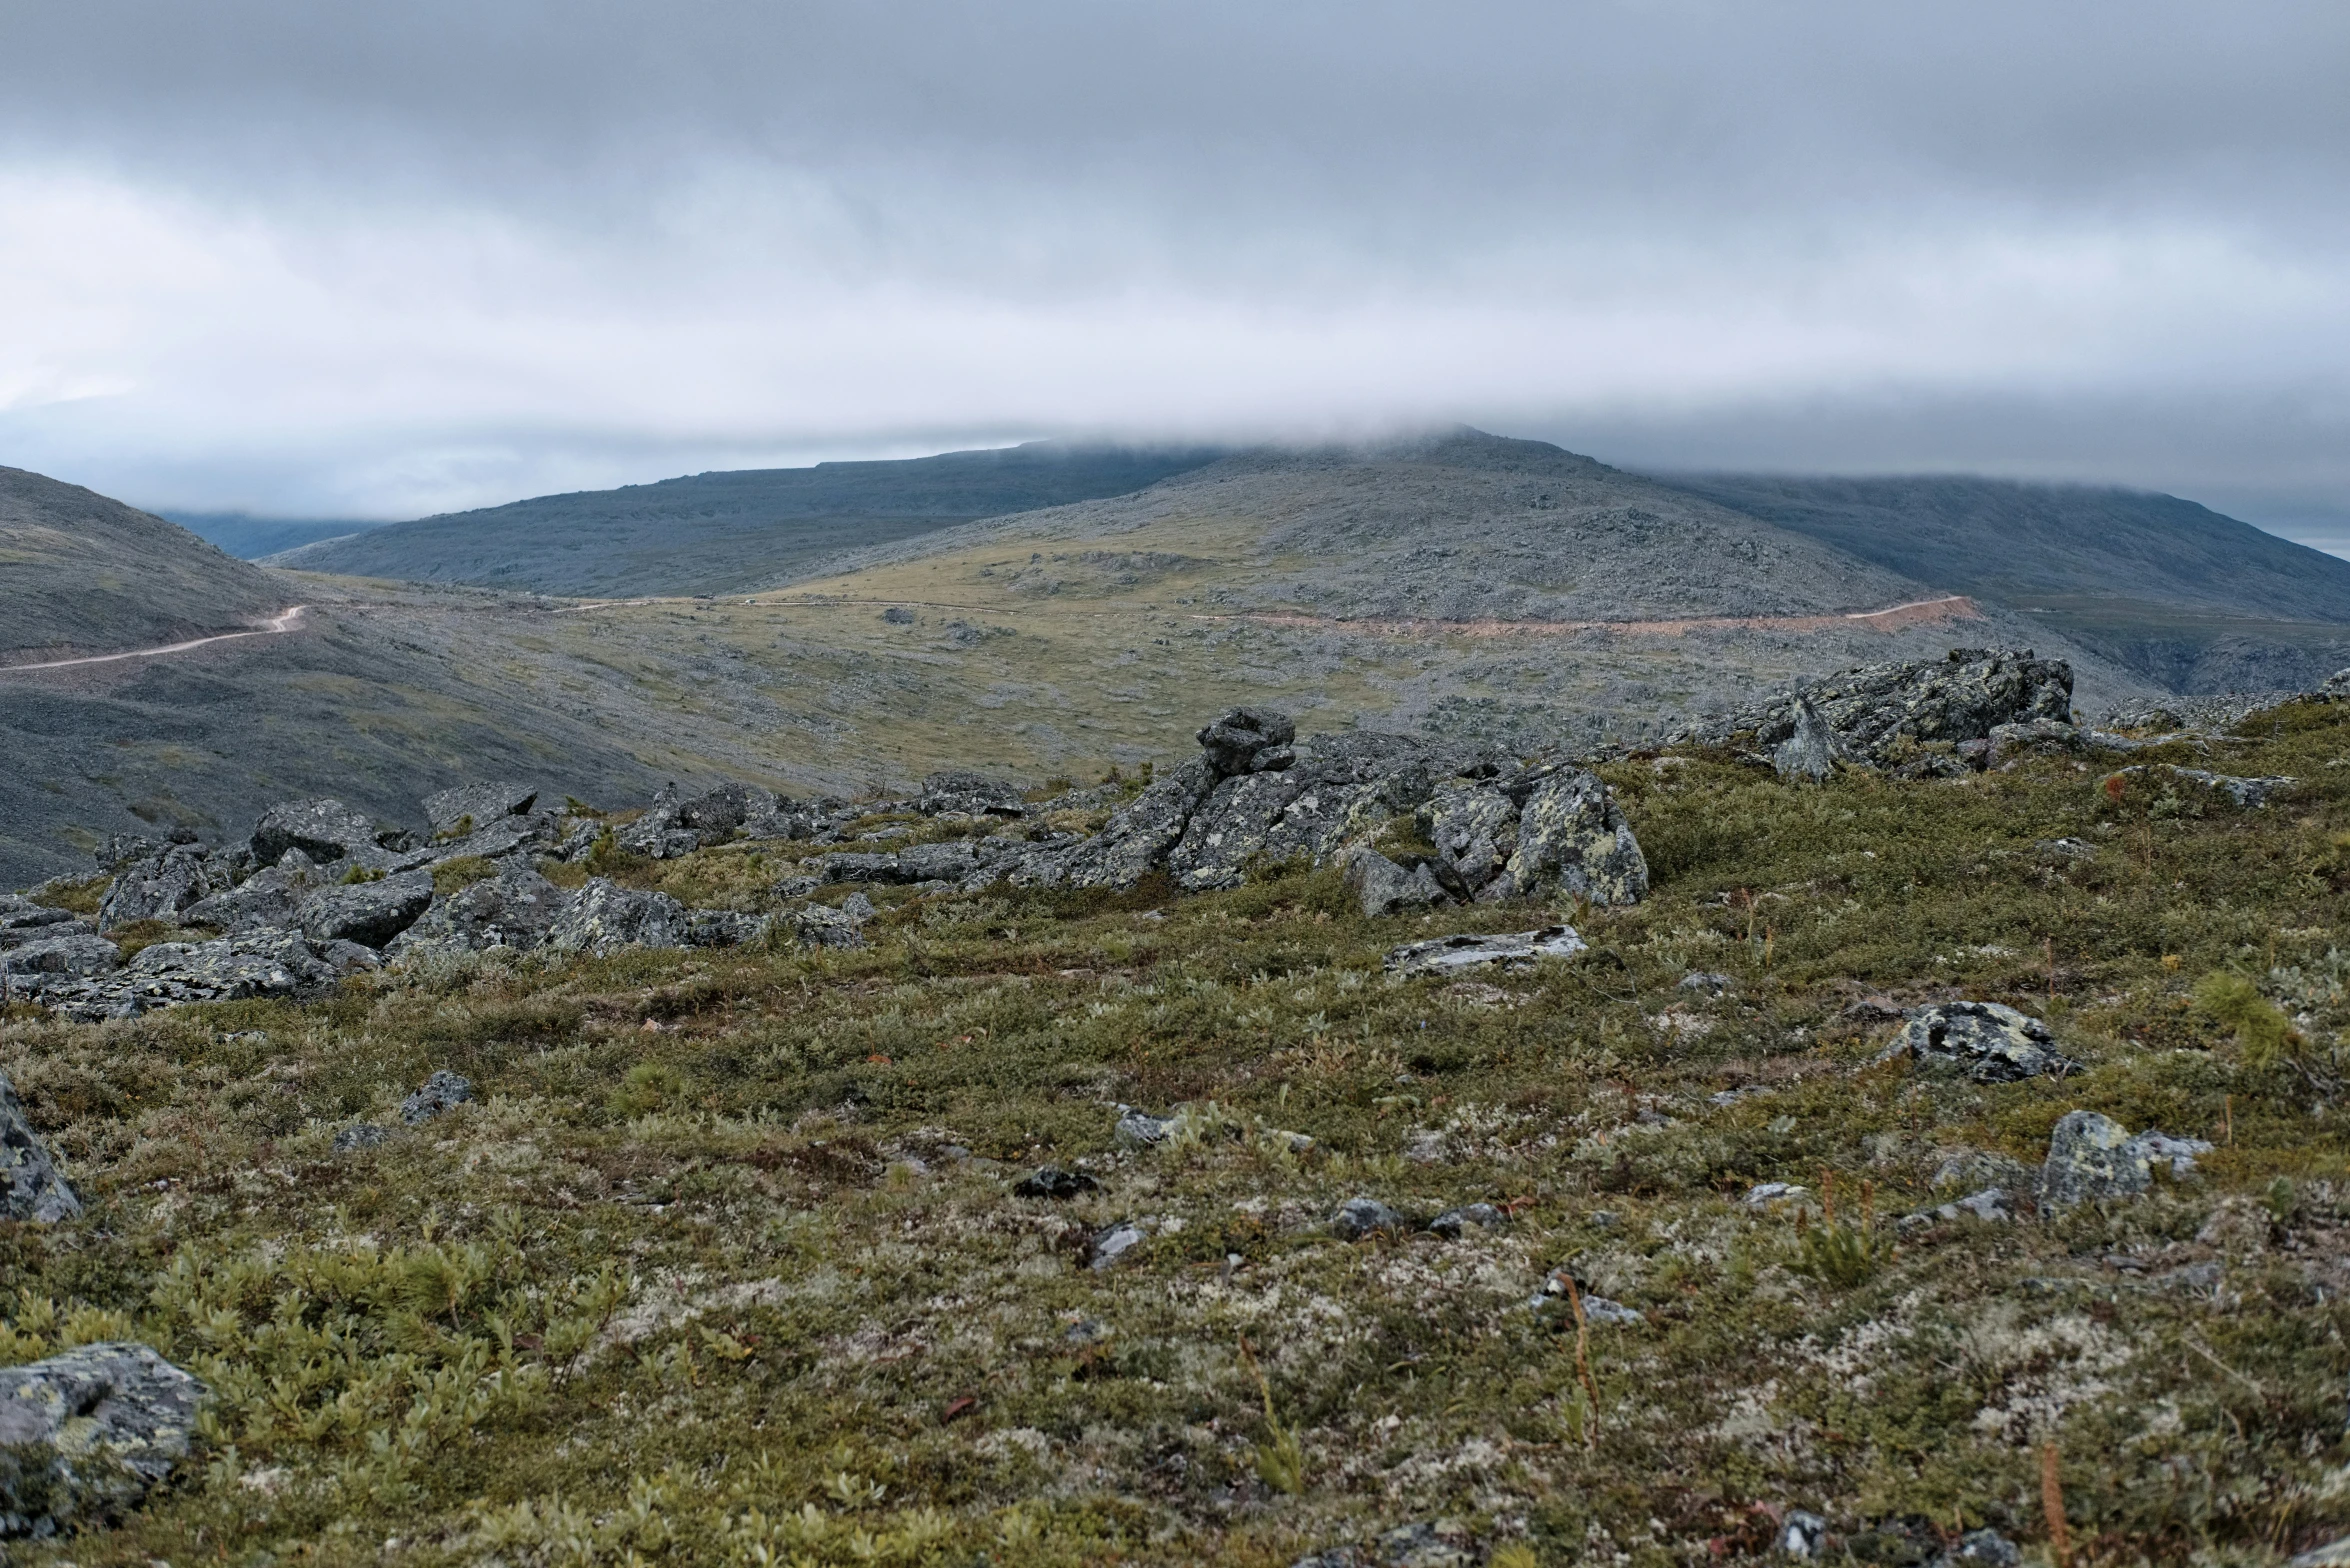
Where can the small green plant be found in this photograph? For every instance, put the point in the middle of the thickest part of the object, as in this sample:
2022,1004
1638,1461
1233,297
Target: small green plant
462,872
1837,1252
358,874
2262,1030
1280,1458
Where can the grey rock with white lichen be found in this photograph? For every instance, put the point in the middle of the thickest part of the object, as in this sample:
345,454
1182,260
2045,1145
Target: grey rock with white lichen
86,1433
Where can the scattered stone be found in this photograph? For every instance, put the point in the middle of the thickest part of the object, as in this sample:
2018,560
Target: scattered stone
1770,1194
1381,887
604,917
1114,1242
1803,1534
1406,1546
2009,744
1139,1129
1810,750
658,834
1558,1301
1984,1041
1087,1332
2334,1554
361,1135
2072,849
368,913
1446,954
1360,1217
443,1092
1705,980
36,1190
2244,792
1249,740
1972,1168
471,807
86,1433
1990,1206
324,830
1980,1549
820,925
1453,1224
2094,1157
1052,1182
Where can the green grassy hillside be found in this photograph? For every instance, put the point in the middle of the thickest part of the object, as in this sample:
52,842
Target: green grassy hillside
725,1266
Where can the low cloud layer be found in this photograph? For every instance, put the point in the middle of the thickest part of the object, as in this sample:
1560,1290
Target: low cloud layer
383,261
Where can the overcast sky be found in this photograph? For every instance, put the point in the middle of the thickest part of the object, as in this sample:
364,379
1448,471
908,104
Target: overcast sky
381,260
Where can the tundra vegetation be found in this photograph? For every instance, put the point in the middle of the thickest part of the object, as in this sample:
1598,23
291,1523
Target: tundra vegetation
723,1261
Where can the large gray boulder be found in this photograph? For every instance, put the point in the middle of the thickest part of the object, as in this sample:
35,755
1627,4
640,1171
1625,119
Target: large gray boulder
159,885
1329,792
1811,750
2093,1157
1474,827
368,913
1985,1041
659,834
85,1434
471,807
264,901
1248,740
77,953
277,964
35,1189
1381,887
1573,842
22,921
603,917
325,830
516,908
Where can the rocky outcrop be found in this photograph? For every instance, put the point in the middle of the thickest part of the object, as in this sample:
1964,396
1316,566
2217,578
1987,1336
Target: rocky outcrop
266,900
1913,719
960,794
1381,887
22,921
1572,842
85,1434
281,964
1447,954
35,1189
70,953
1984,1041
161,883
368,913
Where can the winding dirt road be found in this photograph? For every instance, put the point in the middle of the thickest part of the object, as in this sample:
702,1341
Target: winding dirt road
284,621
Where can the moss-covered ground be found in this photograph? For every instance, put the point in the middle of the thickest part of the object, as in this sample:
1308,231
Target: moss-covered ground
724,1266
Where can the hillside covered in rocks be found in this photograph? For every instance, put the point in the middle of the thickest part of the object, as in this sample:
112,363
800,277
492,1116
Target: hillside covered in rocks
1891,1122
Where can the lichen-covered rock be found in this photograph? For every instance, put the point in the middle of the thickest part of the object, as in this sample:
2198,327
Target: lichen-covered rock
516,908
35,1189
1445,954
159,885
1910,718
1360,1217
1810,750
230,968
1134,842
1381,887
22,921
266,900
324,830
1331,791
1985,1041
443,1092
85,1434
724,927
76,953
972,795
1248,740
658,834
1474,827
470,807
361,1135
2094,1157
603,917
1573,842
368,913
1406,1546
820,925
952,861
2252,792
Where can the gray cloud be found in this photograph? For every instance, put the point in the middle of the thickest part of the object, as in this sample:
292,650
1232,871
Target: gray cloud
391,258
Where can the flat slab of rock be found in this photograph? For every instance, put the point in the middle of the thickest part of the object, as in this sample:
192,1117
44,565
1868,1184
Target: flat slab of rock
368,913
469,807
231,968
516,908
74,953
1446,954
324,830
86,1433
1987,1042
35,1189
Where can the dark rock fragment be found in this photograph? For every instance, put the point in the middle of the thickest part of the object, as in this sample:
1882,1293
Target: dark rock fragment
36,1190
85,1434
1052,1182
1987,1042
443,1092
368,913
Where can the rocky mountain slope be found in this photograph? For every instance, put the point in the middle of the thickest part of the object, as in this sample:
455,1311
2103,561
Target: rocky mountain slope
2192,600
250,538
724,532
1933,1160
83,574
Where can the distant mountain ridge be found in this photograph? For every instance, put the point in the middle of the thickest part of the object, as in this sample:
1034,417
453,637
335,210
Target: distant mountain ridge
251,538
2189,597
728,531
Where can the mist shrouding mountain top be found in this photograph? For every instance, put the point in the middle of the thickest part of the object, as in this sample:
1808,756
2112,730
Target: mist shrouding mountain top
344,261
